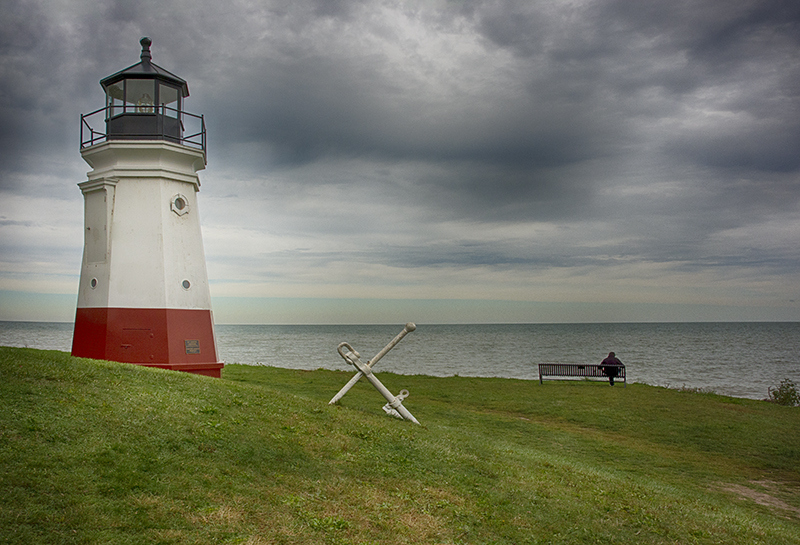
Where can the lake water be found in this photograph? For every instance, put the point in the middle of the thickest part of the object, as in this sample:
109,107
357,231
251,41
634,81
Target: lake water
737,359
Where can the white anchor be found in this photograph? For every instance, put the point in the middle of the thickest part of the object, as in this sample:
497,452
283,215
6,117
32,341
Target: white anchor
394,406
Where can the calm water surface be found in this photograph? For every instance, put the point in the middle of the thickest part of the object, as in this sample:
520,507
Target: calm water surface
737,359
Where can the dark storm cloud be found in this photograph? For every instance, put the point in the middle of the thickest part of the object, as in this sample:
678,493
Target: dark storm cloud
48,72
697,92
769,147
320,104
21,106
590,77
676,47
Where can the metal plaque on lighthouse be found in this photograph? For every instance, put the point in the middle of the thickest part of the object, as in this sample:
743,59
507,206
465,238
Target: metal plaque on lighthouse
143,296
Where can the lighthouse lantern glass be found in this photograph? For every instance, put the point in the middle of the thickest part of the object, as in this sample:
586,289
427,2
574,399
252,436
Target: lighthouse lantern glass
140,95
168,100
115,95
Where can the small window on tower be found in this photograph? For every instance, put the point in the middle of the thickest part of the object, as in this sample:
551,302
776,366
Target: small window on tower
179,205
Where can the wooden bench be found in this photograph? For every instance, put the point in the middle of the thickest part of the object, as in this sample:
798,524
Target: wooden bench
578,370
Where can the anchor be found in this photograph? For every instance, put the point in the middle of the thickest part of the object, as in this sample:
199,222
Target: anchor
395,403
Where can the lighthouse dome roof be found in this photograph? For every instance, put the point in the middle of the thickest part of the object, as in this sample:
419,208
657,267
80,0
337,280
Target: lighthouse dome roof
147,69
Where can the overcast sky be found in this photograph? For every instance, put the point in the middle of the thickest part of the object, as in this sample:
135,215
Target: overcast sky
471,161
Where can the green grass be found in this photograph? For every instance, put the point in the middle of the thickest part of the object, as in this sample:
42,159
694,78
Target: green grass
101,452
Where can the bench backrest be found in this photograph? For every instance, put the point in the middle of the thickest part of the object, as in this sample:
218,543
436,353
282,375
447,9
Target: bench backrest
576,370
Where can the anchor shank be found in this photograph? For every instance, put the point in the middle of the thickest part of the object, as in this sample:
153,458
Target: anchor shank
409,327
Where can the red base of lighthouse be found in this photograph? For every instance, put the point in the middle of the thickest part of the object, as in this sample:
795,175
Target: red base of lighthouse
177,339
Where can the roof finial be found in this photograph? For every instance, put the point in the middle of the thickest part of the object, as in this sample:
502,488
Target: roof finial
146,49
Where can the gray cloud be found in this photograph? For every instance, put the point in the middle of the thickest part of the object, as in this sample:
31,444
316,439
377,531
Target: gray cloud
517,136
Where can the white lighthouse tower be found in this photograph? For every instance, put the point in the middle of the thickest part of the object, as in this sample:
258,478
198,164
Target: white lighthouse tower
143,295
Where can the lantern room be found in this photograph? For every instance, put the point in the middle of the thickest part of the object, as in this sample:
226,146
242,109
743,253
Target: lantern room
144,101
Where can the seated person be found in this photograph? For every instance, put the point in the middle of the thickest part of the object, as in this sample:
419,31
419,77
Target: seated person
609,367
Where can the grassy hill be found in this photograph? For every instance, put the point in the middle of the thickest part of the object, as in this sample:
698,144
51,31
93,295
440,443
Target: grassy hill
101,452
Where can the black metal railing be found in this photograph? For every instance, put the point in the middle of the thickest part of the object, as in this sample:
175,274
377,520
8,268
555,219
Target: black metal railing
160,123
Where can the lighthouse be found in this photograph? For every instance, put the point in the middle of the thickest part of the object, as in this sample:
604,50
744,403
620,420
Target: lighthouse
143,296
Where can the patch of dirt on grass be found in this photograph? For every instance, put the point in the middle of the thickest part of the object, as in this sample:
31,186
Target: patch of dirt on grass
762,498
256,540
